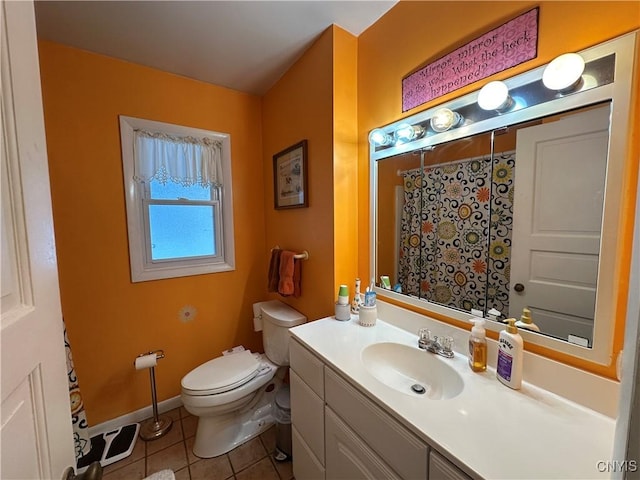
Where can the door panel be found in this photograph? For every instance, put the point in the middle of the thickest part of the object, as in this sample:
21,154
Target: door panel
20,439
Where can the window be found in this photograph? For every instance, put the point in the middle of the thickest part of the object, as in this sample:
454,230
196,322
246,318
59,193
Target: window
178,194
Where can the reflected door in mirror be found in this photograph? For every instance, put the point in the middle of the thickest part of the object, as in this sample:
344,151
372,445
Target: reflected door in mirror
558,202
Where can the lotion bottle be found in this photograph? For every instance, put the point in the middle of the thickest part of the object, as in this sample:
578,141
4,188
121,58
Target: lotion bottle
526,322
478,346
510,348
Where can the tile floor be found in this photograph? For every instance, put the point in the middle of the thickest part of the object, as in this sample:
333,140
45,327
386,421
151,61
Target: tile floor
251,461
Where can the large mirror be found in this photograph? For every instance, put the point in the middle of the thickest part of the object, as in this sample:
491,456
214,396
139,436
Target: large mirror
502,221
513,210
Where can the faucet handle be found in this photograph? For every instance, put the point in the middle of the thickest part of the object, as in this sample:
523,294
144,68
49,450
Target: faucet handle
424,338
447,345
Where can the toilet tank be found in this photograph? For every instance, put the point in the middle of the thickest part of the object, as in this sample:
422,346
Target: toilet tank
277,319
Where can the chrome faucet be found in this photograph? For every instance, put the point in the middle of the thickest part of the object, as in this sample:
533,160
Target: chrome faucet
432,343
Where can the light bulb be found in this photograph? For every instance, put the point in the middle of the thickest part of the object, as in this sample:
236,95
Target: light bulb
406,133
379,138
564,72
494,96
443,119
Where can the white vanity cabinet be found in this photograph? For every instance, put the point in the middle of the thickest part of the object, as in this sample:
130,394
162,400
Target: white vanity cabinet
307,413
385,446
338,433
348,457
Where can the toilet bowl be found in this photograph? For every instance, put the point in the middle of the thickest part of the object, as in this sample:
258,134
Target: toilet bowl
233,396
230,395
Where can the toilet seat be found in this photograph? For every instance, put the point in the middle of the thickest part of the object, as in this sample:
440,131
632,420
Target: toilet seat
222,374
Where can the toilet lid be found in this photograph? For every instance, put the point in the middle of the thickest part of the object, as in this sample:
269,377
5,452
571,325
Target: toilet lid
221,374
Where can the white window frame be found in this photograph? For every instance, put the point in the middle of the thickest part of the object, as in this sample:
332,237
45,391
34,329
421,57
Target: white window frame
142,267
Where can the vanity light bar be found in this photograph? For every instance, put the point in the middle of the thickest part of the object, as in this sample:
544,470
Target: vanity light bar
443,119
494,100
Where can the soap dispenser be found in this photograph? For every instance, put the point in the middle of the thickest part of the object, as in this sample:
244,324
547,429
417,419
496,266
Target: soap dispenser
526,322
510,348
478,346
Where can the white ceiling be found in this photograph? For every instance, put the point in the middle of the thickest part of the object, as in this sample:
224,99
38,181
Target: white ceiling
243,45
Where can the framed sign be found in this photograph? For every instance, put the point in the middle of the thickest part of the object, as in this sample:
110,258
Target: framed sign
512,43
290,177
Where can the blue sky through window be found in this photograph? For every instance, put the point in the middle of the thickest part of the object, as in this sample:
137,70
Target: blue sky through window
181,231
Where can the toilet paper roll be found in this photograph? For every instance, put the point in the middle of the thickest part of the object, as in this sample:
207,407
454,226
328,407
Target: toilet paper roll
146,361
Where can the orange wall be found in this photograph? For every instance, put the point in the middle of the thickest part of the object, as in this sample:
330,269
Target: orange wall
345,162
415,33
111,320
301,106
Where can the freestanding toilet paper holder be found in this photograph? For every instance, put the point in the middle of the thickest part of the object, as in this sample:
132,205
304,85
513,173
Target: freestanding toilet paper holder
157,426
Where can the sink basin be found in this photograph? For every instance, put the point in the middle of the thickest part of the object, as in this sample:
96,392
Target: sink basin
411,370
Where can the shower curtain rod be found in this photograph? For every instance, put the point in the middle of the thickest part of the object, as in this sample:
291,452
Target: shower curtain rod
400,173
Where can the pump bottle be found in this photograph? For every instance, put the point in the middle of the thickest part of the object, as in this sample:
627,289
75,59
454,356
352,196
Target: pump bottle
526,322
478,346
510,348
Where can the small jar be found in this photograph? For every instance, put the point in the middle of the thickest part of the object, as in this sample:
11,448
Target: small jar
368,316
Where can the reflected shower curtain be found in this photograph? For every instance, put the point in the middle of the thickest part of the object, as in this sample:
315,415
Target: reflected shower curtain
81,439
456,232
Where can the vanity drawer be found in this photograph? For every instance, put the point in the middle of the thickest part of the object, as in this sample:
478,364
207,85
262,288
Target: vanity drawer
403,451
305,466
442,469
307,415
307,366
348,457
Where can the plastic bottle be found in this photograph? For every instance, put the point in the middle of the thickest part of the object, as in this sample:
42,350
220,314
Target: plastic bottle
357,299
510,348
526,322
478,346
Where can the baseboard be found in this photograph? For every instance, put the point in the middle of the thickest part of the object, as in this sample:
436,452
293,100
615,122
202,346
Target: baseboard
135,417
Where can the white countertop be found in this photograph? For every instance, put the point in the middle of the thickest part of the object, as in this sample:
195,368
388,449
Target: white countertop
496,432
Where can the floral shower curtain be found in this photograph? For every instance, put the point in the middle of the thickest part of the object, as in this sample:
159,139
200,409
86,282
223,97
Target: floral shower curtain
81,439
456,232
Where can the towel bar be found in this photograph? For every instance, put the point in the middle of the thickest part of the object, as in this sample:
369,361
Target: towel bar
298,256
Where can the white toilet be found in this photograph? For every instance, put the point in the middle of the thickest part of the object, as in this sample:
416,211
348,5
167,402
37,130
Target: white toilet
233,395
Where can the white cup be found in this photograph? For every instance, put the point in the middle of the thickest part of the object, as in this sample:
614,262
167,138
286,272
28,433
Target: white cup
343,295
343,312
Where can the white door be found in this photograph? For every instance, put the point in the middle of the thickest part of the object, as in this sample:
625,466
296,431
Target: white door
36,432
558,200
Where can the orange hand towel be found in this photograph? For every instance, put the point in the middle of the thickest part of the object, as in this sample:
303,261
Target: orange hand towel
274,270
287,267
297,276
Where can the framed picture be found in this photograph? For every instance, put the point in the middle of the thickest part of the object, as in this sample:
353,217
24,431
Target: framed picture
290,177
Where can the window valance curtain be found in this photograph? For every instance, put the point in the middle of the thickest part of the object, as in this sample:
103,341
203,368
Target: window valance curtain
187,161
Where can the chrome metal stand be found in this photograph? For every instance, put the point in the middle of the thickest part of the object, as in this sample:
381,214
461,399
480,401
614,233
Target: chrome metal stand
157,426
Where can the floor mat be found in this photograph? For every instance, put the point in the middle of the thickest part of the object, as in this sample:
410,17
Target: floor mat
110,447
